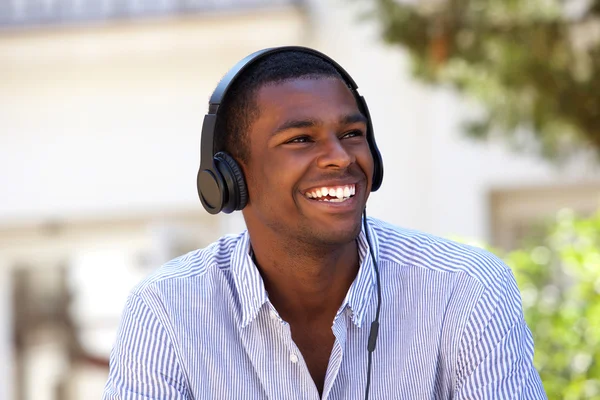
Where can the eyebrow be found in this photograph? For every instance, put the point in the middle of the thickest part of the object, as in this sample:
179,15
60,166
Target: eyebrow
353,119
310,123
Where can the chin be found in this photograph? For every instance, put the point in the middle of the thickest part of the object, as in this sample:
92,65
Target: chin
342,235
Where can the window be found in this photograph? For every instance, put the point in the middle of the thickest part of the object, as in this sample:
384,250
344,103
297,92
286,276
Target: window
37,12
515,212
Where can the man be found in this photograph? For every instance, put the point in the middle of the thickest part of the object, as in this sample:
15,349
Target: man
284,310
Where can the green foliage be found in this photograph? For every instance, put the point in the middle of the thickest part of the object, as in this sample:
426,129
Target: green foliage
558,274
533,64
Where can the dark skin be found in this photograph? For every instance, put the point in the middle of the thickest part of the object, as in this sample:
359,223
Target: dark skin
309,134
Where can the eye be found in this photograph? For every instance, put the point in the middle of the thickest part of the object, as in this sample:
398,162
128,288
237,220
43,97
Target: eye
351,134
299,139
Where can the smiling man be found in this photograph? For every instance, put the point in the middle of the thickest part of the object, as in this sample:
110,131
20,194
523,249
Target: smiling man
293,307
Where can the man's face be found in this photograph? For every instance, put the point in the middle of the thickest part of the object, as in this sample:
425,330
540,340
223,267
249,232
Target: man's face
310,167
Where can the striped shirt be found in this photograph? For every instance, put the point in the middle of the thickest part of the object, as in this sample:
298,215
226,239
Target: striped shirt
451,327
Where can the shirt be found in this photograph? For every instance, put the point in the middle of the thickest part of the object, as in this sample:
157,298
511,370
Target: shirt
451,327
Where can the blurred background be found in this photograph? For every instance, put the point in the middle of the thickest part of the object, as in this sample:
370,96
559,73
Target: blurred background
486,113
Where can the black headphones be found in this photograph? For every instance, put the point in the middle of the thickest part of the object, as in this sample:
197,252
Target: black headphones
220,181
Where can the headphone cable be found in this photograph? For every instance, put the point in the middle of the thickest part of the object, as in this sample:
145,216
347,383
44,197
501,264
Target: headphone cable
375,324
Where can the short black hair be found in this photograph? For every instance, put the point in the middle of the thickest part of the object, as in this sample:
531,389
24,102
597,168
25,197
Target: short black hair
239,109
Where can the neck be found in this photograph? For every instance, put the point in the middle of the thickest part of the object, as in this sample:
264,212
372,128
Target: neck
306,281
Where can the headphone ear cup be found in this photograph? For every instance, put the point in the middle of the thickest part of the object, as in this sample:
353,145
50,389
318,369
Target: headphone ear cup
377,164
236,183
377,160
211,189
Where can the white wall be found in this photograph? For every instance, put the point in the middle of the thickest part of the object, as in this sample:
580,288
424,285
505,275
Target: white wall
108,119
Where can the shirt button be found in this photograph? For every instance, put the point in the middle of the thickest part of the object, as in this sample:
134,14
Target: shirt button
273,314
293,358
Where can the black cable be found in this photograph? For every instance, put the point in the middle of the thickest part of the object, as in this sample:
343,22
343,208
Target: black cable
375,324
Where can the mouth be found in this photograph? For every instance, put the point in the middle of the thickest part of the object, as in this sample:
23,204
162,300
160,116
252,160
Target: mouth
331,194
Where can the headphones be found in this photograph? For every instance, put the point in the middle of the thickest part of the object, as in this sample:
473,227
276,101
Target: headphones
220,180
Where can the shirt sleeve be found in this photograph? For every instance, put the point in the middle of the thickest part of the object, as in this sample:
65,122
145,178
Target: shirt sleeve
143,363
495,359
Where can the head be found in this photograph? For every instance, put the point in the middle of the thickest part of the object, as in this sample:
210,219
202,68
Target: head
294,126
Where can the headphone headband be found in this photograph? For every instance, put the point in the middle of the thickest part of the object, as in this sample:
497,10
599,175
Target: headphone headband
242,65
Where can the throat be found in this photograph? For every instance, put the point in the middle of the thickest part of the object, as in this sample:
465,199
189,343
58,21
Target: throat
303,279
304,290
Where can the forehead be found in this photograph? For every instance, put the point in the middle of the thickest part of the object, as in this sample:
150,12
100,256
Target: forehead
316,98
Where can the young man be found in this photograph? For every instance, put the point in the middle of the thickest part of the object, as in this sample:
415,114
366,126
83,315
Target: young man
284,310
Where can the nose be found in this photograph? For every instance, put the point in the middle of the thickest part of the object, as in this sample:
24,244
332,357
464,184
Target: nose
334,154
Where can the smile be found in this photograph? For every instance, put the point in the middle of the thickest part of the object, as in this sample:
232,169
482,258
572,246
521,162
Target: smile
334,194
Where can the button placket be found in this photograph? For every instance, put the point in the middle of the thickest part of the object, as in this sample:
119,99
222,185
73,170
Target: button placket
298,368
339,328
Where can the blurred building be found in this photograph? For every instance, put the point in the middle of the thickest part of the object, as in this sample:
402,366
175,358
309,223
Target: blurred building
101,106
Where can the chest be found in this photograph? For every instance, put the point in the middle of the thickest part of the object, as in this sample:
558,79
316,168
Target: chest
267,364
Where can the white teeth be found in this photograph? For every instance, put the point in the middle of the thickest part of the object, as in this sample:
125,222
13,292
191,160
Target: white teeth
339,194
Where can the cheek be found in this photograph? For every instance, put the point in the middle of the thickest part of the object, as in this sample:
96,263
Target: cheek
276,183
268,183
365,160
253,184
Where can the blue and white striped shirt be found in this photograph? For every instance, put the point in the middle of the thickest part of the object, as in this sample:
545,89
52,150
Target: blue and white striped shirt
451,327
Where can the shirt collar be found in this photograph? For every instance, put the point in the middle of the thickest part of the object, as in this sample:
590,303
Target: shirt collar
249,283
253,295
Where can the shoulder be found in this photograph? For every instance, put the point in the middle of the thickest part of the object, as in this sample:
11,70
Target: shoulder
428,252
193,266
